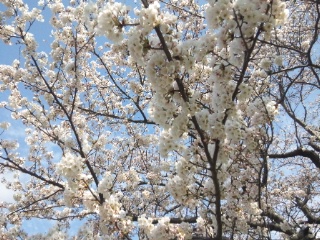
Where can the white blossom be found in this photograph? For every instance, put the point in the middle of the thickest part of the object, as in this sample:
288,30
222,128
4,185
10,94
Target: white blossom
70,165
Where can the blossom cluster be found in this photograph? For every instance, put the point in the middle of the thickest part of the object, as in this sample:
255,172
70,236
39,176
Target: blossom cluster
106,184
108,21
163,229
70,166
149,17
227,104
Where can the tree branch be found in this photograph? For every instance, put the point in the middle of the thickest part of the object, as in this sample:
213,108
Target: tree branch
314,157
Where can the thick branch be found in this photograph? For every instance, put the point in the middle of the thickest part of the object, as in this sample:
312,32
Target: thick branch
21,169
314,157
306,211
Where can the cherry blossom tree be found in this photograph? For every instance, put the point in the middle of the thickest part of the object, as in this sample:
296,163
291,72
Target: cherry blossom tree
163,119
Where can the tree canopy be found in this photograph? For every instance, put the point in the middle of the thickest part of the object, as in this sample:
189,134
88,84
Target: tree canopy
162,119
